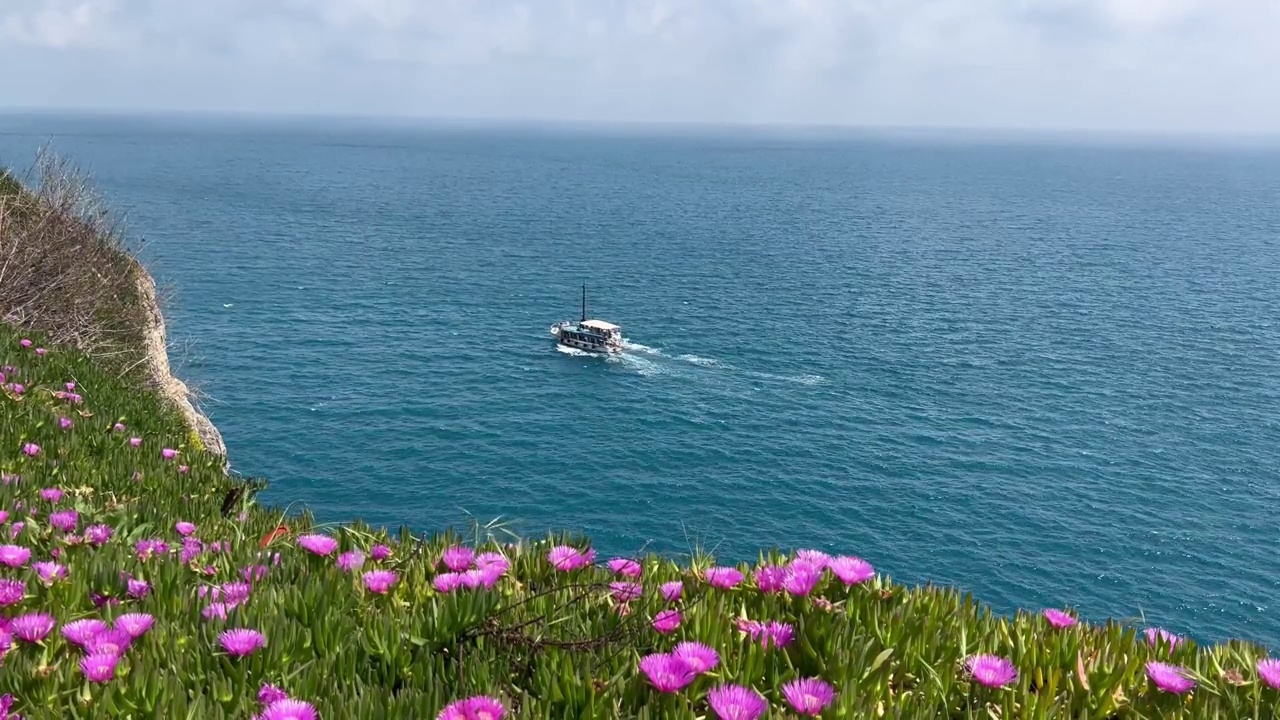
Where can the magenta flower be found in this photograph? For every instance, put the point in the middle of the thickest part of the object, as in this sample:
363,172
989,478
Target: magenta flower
4,516
12,591
698,656
773,633
135,624
97,534
236,592
149,547
666,621
565,558
991,670
625,567
241,641
118,427
1269,671
480,707
270,693
6,642
138,588
31,449
447,582
489,574
1169,678
380,581
816,558
191,549
108,642
379,553
800,577
64,423
49,572
350,561
458,558
735,702
318,544
1059,618
769,578
1157,635
725,578
492,559
80,632
851,570
16,529
32,627
41,351
14,555
809,696
667,673
65,520
215,610
184,469
25,342
625,591
168,453
99,668
288,709
184,528
671,591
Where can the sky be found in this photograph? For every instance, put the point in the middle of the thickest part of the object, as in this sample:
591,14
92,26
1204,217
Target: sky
1203,66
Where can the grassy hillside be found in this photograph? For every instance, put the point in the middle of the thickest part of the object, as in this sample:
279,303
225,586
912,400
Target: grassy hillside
98,486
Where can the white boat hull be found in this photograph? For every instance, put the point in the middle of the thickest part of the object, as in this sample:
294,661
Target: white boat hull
569,342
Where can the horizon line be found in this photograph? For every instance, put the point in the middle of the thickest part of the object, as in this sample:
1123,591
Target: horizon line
665,125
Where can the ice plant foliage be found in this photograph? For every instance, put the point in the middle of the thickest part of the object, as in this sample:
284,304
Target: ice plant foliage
151,579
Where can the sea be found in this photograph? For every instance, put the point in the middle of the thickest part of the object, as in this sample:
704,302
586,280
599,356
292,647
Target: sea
1042,369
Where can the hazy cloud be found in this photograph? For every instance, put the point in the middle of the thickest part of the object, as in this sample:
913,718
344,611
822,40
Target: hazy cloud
1159,64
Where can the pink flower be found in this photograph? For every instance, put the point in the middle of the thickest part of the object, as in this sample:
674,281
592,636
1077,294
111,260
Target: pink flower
80,632
625,567
270,693
480,707
184,528
241,641
379,553
64,423
32,627
735,702
25,342
118,427
41,351
97,534
215,610
14,555
851,570
625,592
1269,671
31,449
700,658
1157,635
52,495
458,558
12,591
65,520
138,588
135,441
1059,618
724,578
447,582
350,561
809,696
800,577
184,469
135,624
318,544
99,668
671,591
991,670
667,673
288,709
49,572
666,621
565,558
769,578
1170,678
168,453
112,642
379,581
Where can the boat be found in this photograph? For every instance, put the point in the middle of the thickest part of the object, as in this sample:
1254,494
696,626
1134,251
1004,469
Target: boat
595,336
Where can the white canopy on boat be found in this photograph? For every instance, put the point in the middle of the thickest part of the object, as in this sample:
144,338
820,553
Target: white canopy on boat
599,325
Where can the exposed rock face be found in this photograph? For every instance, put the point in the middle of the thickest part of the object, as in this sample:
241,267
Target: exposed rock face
158,368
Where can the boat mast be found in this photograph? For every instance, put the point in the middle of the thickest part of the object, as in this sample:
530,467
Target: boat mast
584,302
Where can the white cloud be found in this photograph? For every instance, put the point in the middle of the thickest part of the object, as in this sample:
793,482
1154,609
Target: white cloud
1176,64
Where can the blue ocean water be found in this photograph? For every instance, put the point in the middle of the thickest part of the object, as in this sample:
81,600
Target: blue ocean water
1045,372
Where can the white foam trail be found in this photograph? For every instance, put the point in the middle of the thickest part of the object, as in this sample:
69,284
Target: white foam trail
637,347
572,351
801,379
701,361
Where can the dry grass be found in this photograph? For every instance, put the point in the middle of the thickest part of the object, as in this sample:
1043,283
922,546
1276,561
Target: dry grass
64,268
